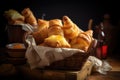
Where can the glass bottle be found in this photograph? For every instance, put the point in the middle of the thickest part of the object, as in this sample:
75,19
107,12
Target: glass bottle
101,48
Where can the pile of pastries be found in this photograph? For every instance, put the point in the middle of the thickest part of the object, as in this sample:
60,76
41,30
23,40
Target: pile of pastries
26,16
57,33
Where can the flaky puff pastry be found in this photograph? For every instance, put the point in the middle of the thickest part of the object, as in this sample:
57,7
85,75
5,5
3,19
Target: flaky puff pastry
42,31
57,41
55,22
43,24
83,40
71,30
55,27
29,16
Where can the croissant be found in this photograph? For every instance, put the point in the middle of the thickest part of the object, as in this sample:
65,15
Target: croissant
82,41
55,22
29,16
87,35
42,31
43,24
57,41
55,27
71,30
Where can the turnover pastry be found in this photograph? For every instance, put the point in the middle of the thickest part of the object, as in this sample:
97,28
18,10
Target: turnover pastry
55,27
83,40
57,41
43,24
71,30
29,16
42,31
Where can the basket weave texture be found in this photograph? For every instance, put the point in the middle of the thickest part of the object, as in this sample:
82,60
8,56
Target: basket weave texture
74,62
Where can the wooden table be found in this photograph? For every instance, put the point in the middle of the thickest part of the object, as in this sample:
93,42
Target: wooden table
114,74
23,72
47,74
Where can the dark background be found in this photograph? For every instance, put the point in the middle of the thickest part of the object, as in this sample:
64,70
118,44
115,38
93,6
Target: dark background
79,11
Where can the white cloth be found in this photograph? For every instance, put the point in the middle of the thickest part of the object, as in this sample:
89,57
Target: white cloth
40,56
101,66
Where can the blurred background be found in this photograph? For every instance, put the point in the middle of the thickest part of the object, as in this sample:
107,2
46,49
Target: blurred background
80,13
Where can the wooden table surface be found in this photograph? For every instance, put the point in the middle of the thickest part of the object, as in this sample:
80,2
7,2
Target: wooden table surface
114,74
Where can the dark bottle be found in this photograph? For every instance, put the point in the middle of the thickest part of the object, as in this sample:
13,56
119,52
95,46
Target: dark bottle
101,48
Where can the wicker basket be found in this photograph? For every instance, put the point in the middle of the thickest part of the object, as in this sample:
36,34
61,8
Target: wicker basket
74,62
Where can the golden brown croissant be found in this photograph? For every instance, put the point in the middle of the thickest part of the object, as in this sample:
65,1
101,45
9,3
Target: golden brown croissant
71,30
29,16
55,22
42,31
43,24
57,41
87,35
83,40
55,27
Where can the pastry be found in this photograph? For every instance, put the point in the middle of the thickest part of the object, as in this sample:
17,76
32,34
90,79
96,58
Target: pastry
57,41
29,17
14,17
55,22
55,27
42,31
82,41
71,30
